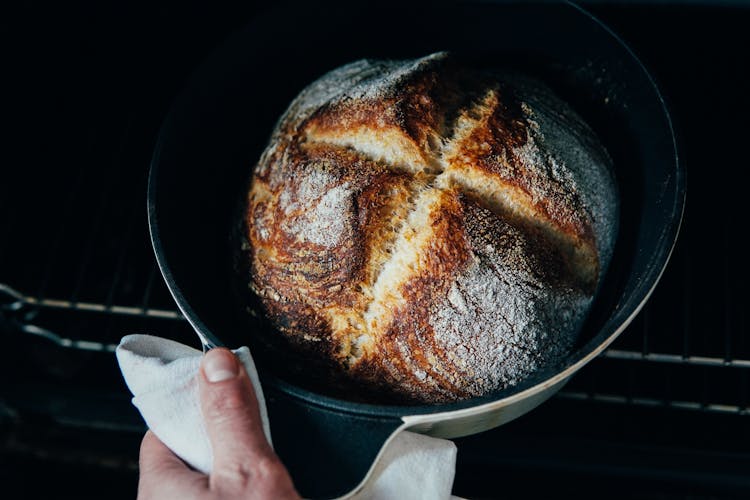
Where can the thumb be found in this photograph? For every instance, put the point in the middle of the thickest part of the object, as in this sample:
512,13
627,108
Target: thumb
231,415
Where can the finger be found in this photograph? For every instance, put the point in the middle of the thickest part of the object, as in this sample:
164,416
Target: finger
231,415
163,474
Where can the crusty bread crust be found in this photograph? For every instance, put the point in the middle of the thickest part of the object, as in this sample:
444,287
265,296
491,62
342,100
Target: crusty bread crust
437,232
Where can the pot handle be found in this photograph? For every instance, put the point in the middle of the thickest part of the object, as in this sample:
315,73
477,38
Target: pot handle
327,452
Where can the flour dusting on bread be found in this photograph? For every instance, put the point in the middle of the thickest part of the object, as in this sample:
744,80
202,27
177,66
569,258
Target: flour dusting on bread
437,232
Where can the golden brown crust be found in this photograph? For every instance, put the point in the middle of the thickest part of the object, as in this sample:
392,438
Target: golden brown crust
490,153
405,346
398,203
410,109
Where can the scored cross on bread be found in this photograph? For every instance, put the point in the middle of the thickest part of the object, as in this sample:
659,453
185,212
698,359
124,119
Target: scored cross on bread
437,232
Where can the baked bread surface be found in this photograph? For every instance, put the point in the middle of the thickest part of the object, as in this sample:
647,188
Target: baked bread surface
433,231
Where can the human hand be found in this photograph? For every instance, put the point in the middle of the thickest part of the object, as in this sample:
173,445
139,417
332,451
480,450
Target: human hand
244,464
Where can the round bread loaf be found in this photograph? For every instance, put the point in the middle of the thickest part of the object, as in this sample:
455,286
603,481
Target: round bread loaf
435,232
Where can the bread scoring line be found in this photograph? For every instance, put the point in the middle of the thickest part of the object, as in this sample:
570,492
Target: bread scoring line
443,170
353,338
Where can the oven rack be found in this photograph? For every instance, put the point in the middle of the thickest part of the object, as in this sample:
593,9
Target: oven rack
15,301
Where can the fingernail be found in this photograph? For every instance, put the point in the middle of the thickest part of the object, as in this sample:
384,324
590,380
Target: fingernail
219,365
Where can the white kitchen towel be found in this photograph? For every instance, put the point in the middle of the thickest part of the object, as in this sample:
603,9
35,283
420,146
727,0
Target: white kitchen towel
161,374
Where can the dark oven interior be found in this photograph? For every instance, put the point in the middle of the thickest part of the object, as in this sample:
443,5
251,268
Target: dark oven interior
663,413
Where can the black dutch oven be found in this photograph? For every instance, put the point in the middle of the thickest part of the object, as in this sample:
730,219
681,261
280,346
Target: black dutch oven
220,124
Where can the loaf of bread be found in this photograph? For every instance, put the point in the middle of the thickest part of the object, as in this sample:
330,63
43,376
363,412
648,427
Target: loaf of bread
434,231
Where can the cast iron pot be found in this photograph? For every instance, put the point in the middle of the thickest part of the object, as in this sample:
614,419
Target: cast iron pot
219,125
